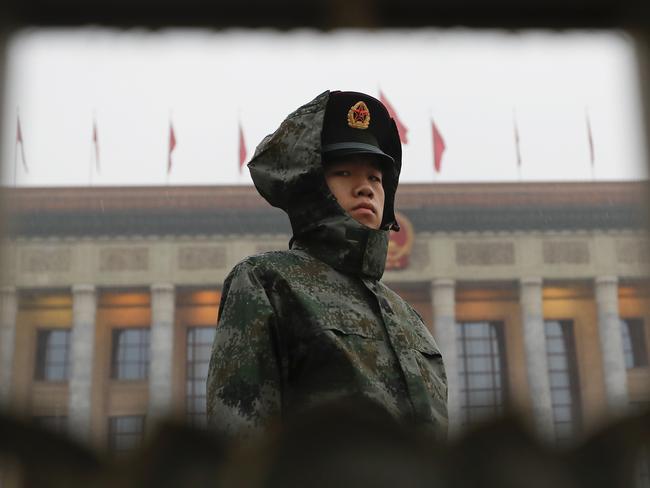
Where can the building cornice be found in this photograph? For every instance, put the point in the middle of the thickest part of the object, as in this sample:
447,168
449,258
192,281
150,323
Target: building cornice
219,210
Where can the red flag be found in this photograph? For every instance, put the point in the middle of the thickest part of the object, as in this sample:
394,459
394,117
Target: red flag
517,147
242,148
96,143
172,145
438,146
401,128
590,139
19,140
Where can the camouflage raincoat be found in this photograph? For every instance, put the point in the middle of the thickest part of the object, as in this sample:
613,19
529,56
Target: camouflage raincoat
315,323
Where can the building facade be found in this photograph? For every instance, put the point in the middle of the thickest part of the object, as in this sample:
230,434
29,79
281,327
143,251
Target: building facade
537,295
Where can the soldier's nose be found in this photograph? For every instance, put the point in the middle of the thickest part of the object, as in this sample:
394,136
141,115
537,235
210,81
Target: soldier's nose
365,191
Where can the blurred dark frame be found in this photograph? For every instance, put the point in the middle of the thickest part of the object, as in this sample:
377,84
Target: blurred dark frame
326,14
632,16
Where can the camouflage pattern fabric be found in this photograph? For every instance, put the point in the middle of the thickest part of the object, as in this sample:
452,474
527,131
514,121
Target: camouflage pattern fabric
315,323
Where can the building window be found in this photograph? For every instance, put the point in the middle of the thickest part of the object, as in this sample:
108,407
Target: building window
482,368
52,355
125,433
634,347
130,355
563,377
55,423
199,345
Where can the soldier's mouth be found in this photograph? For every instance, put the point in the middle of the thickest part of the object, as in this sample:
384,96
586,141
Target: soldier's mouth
364,208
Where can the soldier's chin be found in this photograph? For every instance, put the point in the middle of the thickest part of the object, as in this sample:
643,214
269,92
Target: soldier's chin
367,220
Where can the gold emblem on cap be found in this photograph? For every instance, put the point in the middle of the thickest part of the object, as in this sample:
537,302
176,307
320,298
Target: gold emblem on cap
359,116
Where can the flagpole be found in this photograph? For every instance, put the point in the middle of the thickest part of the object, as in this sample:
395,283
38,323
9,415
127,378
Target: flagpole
517,144
15,162
169,150
16,150
590,141
239,129
21,141
90,159
243,153
433,145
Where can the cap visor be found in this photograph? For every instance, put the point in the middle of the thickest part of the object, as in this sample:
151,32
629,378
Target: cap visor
344,149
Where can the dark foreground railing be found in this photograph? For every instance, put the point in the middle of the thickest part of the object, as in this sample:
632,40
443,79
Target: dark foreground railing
336,446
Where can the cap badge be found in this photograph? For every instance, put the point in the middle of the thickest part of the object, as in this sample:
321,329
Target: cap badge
359,116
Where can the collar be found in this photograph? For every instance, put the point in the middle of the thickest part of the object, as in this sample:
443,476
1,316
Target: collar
346,245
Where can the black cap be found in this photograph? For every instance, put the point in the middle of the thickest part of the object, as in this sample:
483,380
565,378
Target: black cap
356,123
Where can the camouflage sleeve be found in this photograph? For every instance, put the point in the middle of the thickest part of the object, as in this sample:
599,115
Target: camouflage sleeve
244,379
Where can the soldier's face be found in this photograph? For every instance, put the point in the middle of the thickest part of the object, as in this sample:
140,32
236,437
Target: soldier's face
356,183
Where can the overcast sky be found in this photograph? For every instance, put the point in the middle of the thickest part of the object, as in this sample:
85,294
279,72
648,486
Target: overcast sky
472,83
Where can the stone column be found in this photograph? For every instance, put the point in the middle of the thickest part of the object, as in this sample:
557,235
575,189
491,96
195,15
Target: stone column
161,352
444,318
532,316
8,313
82,354
611,343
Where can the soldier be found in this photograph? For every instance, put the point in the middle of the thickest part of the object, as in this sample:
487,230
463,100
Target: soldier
315,323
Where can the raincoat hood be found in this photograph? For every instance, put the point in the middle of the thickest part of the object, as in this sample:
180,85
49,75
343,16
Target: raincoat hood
288,172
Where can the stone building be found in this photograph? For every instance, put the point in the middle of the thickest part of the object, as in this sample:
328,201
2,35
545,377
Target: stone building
536,293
